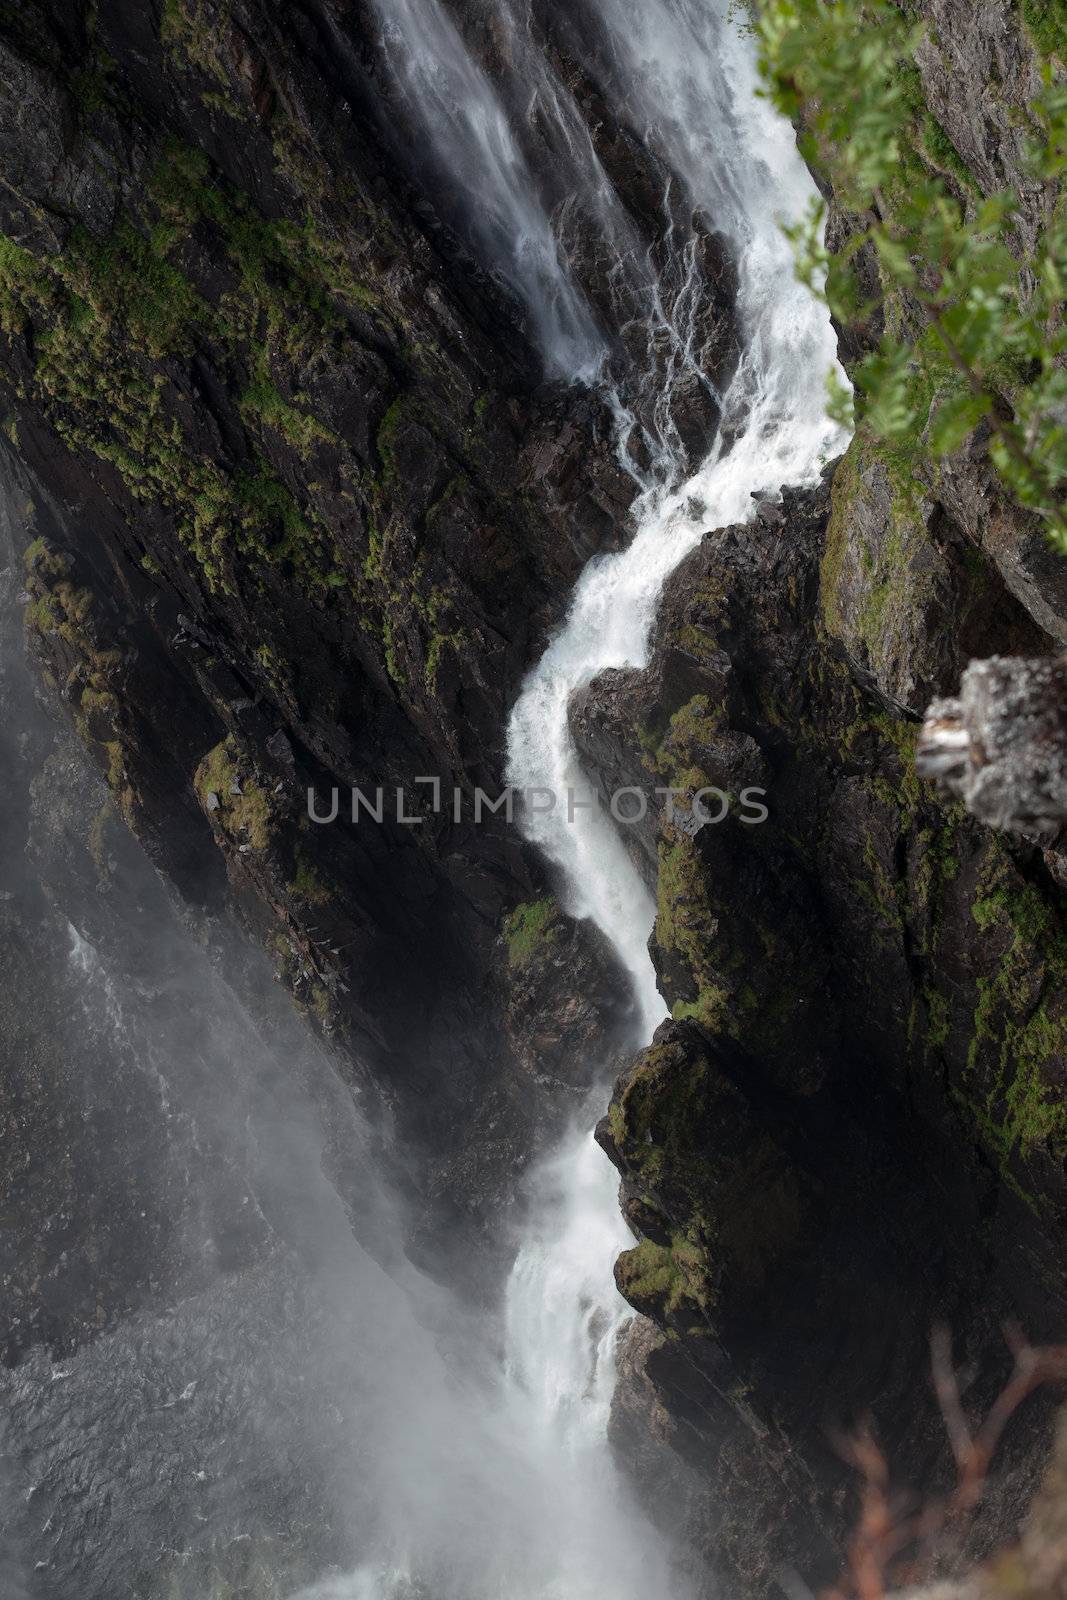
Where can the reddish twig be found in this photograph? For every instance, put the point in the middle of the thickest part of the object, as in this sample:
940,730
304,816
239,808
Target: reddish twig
887,1533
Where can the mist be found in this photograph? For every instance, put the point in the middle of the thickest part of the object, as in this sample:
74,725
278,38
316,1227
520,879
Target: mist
285,1402
286,1399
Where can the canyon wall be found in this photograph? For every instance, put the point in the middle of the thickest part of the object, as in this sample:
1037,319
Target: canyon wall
854,1127
304,508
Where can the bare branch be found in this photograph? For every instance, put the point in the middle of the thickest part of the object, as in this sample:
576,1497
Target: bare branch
891,1546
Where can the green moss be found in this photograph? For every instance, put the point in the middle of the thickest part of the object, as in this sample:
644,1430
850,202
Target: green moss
307,882
1046,22
118,780
530,931
987,911
298,428
710,1009
244,808
1020,1014
937,149
97,699
388,430
24,285
938,1019
103,311
435,609
874,595
647,1272
656,1110
673,1278
686,925
844,490
878,894
60,607
93,85
125,279
734,1216
193,35
677,885
892,741
692,732
40,557
107,303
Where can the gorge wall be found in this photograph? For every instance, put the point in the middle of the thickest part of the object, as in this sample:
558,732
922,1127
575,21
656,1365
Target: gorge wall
302,484
306,507
853,1129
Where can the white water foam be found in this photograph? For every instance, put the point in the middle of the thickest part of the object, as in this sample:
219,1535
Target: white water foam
694,77
698,84
540,1504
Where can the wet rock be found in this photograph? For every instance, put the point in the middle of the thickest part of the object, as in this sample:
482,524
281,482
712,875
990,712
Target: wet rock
1001,746
907,593
569,1005
371,513
844,976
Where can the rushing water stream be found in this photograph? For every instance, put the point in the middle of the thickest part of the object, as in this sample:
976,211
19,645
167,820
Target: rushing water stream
687,74
457,1466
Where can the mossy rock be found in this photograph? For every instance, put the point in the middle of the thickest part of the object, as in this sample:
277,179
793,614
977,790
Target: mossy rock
236,802
531,932
696,1152
886,590
1015,1080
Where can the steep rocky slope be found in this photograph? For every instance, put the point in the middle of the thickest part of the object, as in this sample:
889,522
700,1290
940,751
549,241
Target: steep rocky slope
855,1127
304,508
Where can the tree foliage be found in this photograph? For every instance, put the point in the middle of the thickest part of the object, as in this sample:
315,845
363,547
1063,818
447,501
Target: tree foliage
973,309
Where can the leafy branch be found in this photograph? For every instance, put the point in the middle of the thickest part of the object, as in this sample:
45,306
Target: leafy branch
974,333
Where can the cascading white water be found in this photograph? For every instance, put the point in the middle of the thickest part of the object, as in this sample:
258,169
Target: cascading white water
450,95
693,75
685,74
695,78
515,154
479,1475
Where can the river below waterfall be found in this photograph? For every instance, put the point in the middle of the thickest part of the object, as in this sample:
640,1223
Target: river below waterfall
293,1402
301,1401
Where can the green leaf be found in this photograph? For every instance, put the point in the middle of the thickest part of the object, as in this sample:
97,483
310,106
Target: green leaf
955,420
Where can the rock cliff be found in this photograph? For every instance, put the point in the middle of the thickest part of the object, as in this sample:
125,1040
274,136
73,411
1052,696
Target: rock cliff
853,1129
303,510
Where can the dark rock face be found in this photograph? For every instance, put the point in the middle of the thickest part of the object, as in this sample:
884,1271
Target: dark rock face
1001,746
304,509
904,586
855,1127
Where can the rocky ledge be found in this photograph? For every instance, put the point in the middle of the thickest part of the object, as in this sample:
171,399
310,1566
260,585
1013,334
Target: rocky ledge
853,1129
297,477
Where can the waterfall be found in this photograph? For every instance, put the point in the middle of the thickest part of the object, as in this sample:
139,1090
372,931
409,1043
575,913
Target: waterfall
514,164
513,145
444,90
291,1396
453,1457
695,78
525,166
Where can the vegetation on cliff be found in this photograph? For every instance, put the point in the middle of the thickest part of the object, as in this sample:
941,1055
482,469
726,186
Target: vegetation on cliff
956,292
